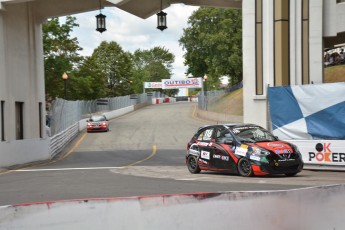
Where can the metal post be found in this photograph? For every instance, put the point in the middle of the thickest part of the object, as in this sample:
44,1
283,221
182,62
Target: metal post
65,81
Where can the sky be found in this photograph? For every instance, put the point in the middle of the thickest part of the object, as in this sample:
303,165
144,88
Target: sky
132,32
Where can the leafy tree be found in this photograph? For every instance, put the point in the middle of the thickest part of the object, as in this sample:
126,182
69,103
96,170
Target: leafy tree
87,82
213,44
60,54
115,66
151,66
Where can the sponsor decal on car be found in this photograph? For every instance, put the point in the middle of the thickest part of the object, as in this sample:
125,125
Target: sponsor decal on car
201,161
242,150
275,145
204,144
205,155
282,151
255,158
224,158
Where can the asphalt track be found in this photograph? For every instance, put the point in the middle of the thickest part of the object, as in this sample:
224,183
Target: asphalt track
143,154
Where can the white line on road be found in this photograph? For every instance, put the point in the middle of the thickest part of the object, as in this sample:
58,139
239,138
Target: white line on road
66,169
199,178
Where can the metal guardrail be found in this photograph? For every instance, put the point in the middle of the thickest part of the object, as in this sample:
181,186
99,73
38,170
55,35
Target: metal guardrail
64,114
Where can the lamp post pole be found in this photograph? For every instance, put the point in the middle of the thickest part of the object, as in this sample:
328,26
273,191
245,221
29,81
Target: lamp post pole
205,91
65,77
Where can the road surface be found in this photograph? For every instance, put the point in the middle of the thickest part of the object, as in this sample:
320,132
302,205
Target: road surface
143,154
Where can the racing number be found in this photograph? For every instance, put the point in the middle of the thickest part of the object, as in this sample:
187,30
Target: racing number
208,134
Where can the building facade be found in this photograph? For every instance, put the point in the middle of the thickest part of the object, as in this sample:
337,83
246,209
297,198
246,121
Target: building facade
283,43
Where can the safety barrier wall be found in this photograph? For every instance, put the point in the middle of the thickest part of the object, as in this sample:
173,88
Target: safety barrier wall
317,208
23,151
59,141
319,153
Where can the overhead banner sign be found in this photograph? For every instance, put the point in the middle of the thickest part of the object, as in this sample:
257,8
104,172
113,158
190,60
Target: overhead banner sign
153,85
182,83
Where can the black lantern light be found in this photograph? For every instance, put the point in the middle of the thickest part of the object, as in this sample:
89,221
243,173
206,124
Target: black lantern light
100,20
162,19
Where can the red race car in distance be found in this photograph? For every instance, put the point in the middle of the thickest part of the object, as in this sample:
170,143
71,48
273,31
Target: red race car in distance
97,123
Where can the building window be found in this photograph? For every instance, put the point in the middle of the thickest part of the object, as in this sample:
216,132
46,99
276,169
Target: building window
2,120
40,119
281,43
258,48
19,120
305,42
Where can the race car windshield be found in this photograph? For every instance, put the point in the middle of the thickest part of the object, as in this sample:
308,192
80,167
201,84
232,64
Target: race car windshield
97,118
253,134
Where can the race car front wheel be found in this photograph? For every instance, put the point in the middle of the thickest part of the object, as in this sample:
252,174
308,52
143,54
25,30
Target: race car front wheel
244,167
192,164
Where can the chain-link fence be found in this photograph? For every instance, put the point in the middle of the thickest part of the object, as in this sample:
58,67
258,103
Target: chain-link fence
212,97
64,114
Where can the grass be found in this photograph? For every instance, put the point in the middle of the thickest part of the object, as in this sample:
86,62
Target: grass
334,74
231,103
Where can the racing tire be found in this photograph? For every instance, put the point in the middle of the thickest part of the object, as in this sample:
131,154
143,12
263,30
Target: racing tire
192,164
290,174
244,167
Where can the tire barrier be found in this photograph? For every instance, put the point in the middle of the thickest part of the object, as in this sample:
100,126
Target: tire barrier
316,208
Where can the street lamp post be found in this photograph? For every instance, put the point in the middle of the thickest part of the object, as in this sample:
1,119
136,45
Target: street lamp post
205,79
205,91
65,77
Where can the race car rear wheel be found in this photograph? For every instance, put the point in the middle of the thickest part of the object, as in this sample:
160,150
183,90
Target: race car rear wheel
244,167
192,164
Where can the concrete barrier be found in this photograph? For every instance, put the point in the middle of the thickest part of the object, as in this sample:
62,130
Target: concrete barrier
23,151
157,101
317,208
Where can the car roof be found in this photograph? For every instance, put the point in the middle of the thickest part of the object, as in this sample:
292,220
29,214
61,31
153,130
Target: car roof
97,115
229,125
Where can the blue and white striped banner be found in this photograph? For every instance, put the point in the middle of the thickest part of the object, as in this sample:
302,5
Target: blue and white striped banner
308,112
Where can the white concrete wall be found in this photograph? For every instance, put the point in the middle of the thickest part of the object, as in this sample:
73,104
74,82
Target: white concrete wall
330,18
317,208
340,9
254,106
23,151
315,38
22,80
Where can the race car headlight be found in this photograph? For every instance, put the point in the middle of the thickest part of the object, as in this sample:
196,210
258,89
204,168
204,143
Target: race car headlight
260,152
295,148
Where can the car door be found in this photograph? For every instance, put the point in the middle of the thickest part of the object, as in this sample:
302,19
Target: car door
204,141
221,158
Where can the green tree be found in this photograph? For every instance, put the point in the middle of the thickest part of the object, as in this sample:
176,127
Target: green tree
115,67
213,44
87,82
151,66
60,54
